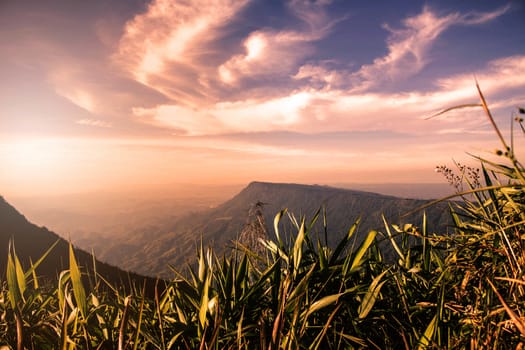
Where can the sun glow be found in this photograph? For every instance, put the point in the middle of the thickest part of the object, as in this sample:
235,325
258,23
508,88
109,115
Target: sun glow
32,163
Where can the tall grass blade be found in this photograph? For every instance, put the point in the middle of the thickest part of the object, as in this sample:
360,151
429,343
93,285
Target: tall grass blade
426,338
361,251
76,280
276,221
298,249
342,244
371,295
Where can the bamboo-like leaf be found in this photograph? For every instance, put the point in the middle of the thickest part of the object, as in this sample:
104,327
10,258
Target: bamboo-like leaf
76,281
202,264
371,295
358,259
392,241
33,274
302,286
20,276
272,247
317,341
203,309
342,244
276,221
427,337
298,249
15,297
42,258
322,256
323,302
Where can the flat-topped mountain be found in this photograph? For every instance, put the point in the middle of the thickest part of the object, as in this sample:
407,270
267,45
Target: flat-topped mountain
151,251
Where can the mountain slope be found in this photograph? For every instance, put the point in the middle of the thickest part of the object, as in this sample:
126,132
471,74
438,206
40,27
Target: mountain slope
152,251
31,242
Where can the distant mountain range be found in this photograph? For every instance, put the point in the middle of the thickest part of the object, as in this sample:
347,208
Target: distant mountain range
153,249
31,242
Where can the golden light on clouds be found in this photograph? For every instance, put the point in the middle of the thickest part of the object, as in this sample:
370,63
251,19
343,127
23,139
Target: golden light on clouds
228,90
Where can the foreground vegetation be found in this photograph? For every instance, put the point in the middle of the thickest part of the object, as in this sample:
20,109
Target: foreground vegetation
462,289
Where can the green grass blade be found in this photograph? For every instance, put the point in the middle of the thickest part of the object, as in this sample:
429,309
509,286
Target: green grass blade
15,297
42,258
203,308
426,338
76,281
298,249
276,221
342,244
361,251
371,296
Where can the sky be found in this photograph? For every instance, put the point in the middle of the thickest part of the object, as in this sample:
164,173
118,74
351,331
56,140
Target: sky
107,94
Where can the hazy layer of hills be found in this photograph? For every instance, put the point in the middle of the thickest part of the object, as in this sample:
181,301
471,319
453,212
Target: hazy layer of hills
150,244
152,249
31,242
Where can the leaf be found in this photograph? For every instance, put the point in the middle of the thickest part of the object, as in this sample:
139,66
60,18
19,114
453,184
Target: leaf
76,281
15,297
342,244
203,309
371,295
20,276
276,221
39,261
323,302
358,259
298,248
425,339
322,256
392,241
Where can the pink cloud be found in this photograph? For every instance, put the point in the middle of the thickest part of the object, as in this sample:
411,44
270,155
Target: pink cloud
326,110
172,33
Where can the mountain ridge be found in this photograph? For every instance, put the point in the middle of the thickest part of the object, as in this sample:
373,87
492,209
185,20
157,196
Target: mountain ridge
31,242
175,243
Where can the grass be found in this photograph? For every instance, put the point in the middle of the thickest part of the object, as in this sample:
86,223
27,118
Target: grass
460,290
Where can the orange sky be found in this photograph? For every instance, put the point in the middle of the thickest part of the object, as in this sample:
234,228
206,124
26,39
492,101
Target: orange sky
111,95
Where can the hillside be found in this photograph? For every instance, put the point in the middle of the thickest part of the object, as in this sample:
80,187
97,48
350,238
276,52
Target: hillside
152,250
31,242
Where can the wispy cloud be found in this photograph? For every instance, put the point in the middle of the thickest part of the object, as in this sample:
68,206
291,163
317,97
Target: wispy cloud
270,53
95,122
267,53
311,110
170,40
327,103
409,46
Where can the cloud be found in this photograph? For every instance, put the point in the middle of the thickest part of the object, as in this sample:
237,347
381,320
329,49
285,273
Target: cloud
318,75
95,122
409,46
172,34
272,53
327,110
267,53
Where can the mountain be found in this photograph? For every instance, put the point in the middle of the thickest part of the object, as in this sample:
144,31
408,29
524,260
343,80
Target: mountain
153,250
31,242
